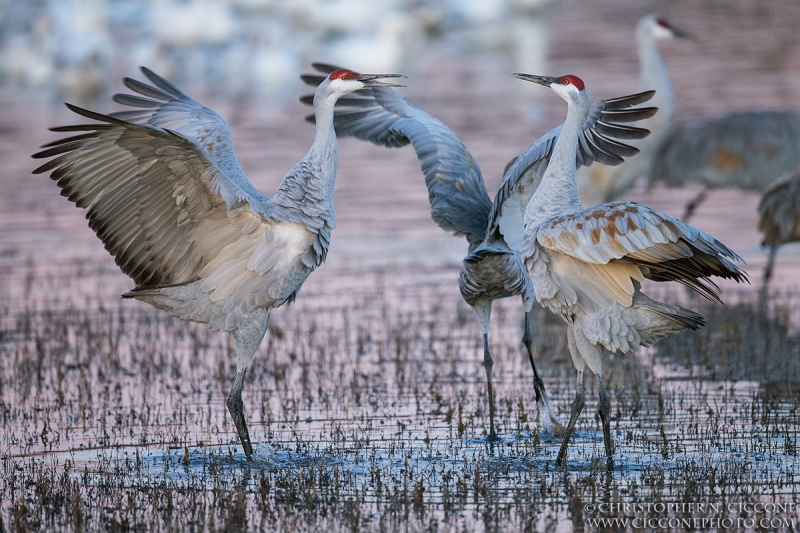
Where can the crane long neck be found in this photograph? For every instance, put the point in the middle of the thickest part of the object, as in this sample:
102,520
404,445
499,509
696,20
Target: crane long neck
308,187
558,192
653,73
325,146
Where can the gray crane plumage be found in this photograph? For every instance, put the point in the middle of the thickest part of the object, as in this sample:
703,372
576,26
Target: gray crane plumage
779,216
746,150
460,203
457,193
164,192
587,264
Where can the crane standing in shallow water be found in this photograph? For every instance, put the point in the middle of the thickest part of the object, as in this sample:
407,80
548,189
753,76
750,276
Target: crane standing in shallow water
602,183
779,217
493,268
747,150
165,193
587,264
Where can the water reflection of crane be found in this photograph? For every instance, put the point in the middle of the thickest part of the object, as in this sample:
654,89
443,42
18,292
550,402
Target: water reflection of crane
165,193
493,268
587,264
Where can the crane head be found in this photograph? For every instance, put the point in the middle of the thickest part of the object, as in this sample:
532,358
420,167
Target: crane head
660,28
349,81
568,87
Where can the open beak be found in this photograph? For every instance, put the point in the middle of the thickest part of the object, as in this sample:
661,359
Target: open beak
541,80
373,80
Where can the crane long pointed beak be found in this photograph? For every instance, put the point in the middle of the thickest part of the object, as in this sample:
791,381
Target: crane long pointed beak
373,80
680,34
547,81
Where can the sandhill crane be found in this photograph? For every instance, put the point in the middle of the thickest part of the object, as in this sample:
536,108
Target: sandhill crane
747,150
603,183
587,264
165,193
459,202
779,216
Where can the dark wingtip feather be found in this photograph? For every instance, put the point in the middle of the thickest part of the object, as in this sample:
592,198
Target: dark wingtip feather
146,90
629,115
41,168
135,101
619,131
312,79
327,68
60,146
77,127
624,102
612,146
152,76
61,142
92,115
162,83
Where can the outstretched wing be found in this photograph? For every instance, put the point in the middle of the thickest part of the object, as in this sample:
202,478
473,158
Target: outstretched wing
165,106
382,116
663,248
606,122
161,208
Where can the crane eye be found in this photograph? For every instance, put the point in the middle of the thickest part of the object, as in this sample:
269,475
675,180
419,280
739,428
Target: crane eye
345,76
565,81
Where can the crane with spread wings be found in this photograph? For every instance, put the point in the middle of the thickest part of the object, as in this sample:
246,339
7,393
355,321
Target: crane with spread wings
164,192
460,203
587,263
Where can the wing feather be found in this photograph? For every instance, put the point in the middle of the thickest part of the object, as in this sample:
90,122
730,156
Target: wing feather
596,143
456,191
663,247
152,196
165,106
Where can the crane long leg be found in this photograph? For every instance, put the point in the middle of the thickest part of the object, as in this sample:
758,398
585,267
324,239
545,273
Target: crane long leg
604,409
483,312
693,205
549,419
487,364
577,407
236,408
770,264
247,338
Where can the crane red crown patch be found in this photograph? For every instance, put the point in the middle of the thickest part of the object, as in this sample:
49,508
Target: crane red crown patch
343,74
574,80
663,23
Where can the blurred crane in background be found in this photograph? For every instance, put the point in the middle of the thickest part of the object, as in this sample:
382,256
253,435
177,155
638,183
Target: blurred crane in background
460,203
603,183
746,150
164,191
779,216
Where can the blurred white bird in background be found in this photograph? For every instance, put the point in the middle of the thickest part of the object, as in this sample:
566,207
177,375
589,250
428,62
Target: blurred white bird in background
75,49
65,51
